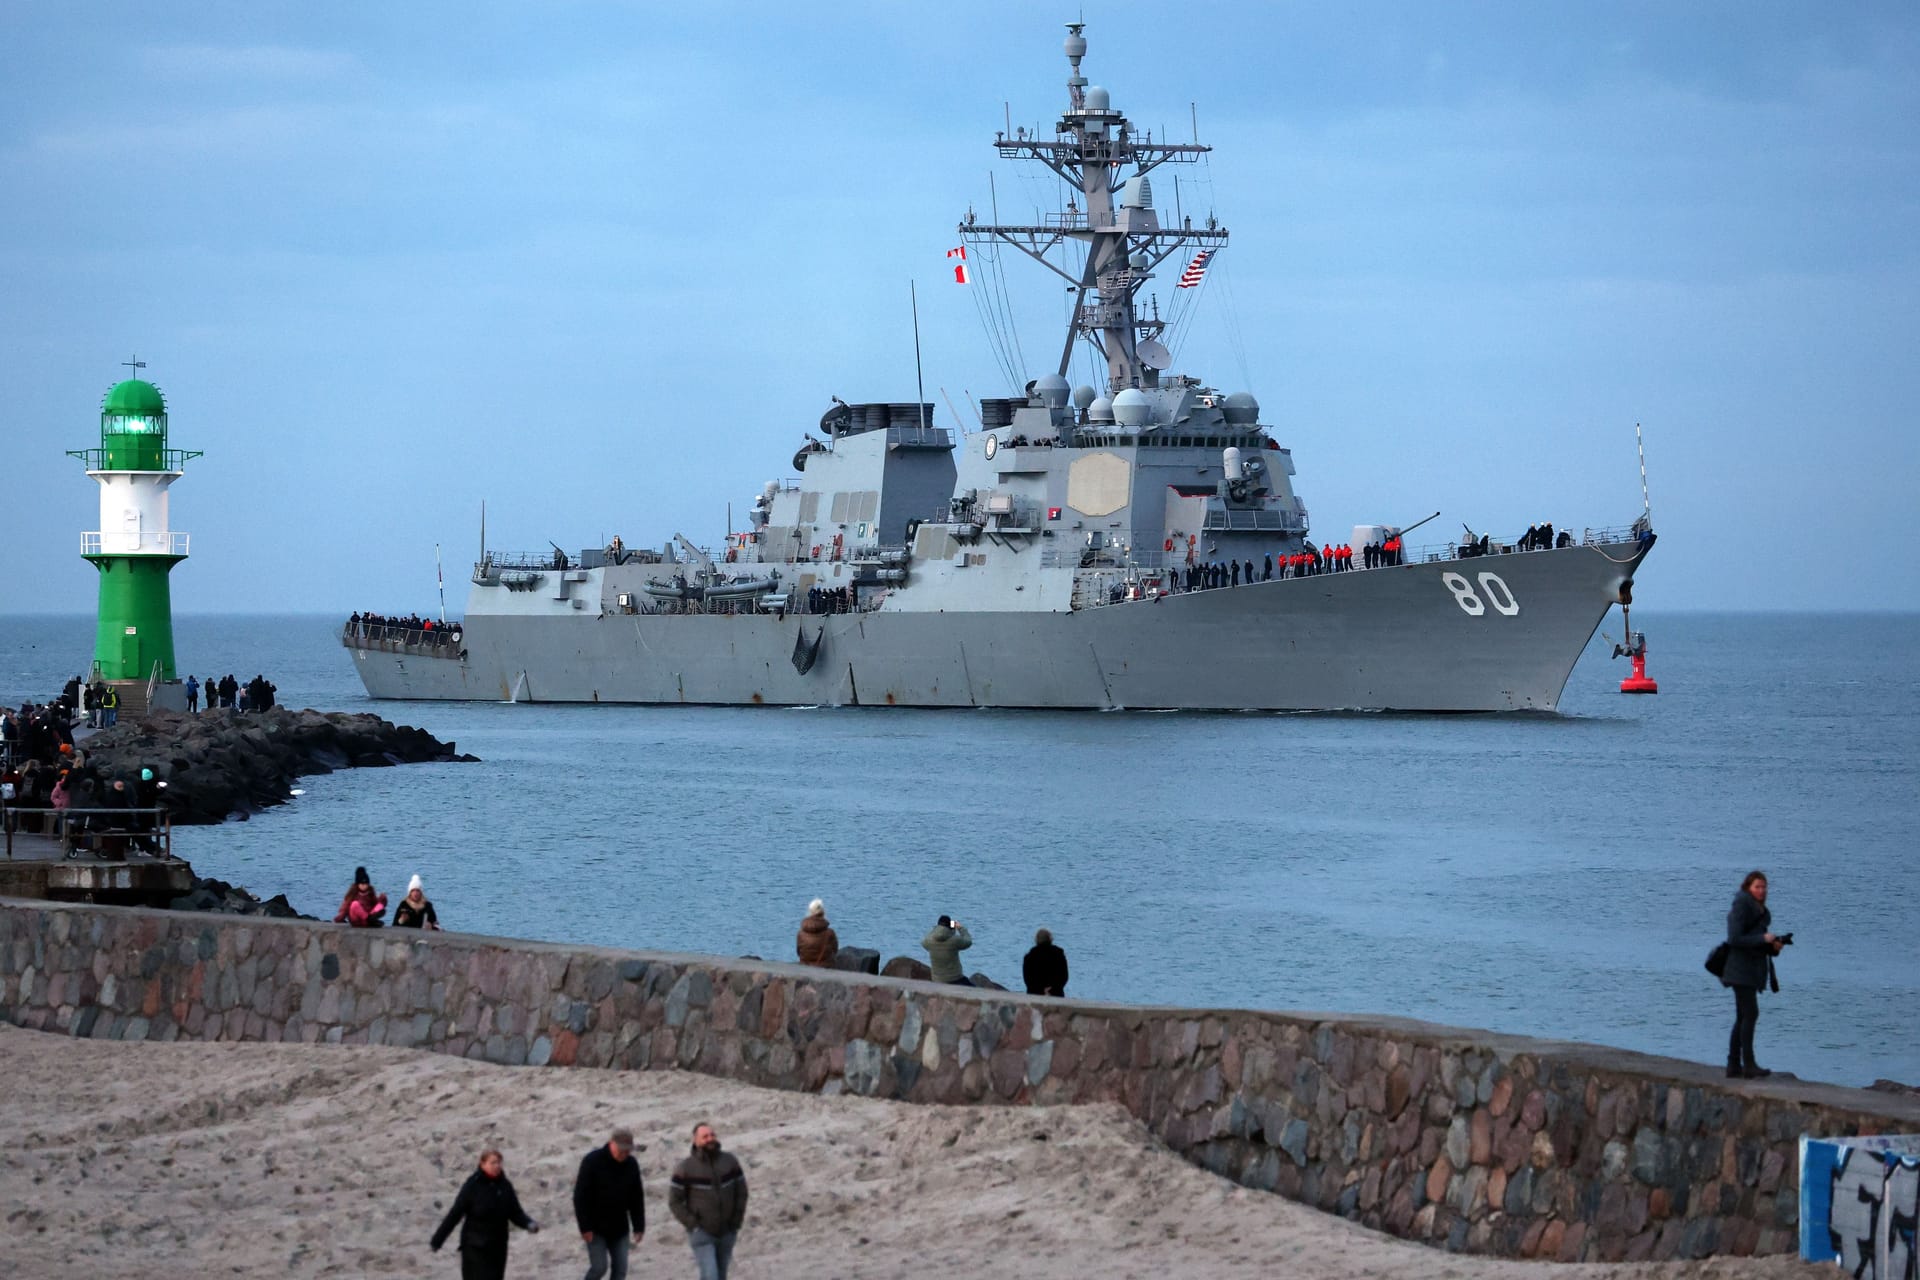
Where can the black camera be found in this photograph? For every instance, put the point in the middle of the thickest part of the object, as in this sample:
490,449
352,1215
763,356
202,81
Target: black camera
1786,939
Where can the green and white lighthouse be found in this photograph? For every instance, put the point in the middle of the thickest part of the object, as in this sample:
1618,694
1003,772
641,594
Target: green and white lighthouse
134,548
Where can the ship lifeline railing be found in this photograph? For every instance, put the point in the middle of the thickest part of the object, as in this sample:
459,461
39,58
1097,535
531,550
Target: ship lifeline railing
1109,576
387,638
110,829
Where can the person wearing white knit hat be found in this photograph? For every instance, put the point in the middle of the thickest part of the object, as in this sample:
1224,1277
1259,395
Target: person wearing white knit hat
817,944
415,912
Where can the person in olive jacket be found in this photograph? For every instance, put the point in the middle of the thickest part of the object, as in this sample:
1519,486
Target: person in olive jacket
709,1198
607,1198
944,944
1749,958
483,1209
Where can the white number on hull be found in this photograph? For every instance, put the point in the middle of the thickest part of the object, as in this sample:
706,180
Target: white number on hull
1492,586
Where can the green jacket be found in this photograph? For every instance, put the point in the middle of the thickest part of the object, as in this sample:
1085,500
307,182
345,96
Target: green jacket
944,946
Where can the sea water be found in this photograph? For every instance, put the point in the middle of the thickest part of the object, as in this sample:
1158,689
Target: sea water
1553,875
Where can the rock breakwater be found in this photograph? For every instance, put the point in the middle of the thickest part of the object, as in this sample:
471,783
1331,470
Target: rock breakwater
225,899
226,764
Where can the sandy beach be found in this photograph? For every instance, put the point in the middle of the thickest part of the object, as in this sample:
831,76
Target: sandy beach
165,1160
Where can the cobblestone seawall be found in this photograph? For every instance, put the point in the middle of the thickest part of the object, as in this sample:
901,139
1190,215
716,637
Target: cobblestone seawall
1493,1144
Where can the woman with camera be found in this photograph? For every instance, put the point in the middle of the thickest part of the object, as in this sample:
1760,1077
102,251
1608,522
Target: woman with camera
1749,965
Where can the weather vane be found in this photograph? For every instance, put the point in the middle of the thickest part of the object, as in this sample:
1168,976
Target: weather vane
136,364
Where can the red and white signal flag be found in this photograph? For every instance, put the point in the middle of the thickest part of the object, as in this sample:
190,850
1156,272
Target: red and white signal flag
959,268
1197,269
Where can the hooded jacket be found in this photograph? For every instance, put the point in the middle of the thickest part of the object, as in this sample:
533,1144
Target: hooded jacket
709,1192
817,943
943,946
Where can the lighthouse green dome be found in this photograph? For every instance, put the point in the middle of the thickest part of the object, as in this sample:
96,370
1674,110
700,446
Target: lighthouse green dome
133,398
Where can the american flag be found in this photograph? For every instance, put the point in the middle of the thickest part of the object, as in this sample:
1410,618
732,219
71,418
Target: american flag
960,275
1197,269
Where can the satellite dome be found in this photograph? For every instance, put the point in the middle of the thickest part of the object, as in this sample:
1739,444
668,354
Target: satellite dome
133,399
1076,46
1131,408
1083,396
1052,390
1101,410
1097,99
1241,409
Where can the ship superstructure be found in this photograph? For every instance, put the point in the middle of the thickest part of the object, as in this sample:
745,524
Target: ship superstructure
1138,544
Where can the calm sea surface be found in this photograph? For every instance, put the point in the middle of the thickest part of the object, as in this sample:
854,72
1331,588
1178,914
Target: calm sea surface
1551,875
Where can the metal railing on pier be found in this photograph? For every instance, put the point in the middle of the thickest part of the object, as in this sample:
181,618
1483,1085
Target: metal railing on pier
105,832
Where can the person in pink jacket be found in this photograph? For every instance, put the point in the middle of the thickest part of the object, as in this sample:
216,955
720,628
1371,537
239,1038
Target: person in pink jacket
362,907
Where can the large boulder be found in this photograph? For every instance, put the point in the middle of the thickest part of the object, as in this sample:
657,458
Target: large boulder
857,960
907,967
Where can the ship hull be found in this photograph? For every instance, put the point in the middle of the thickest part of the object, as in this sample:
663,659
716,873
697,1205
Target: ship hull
1434,636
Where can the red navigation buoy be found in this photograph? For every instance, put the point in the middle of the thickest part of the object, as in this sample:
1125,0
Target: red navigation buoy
1635,649
1639,681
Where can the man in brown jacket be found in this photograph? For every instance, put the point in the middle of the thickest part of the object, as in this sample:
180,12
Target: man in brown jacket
708,1197
817,944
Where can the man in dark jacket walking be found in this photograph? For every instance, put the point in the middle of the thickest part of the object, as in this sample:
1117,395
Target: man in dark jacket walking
607,1198
709,1199
1749,958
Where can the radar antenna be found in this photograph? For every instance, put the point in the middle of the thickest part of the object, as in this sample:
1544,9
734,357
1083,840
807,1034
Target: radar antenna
1092,146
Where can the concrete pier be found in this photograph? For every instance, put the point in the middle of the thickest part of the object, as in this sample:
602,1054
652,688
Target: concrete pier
42,866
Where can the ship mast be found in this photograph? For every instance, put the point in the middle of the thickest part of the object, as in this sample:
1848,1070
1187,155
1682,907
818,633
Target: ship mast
1093,146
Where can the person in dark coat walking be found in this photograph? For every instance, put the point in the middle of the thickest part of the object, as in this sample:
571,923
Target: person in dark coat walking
1749,963
483,1209
1045,967
708,1197
607,1200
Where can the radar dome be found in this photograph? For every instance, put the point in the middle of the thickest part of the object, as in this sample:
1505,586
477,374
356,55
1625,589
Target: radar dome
1083,396
1131,408
1241,409
1101,410
1052,390
1076,45
1097,99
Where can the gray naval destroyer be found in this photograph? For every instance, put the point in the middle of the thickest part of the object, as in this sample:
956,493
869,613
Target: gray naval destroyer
1057,558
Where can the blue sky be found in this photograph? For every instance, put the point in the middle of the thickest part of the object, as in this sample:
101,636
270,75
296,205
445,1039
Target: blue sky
600,264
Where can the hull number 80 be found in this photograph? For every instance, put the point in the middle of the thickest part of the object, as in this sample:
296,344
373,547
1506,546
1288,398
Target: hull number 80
1493,591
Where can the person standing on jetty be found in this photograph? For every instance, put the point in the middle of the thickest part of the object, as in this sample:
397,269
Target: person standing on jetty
943,945
817,944
1045,967
483,1210
708,1197
1749,966
607,1196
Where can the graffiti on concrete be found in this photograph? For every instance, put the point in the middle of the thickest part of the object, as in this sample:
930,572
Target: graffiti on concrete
1860,1205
